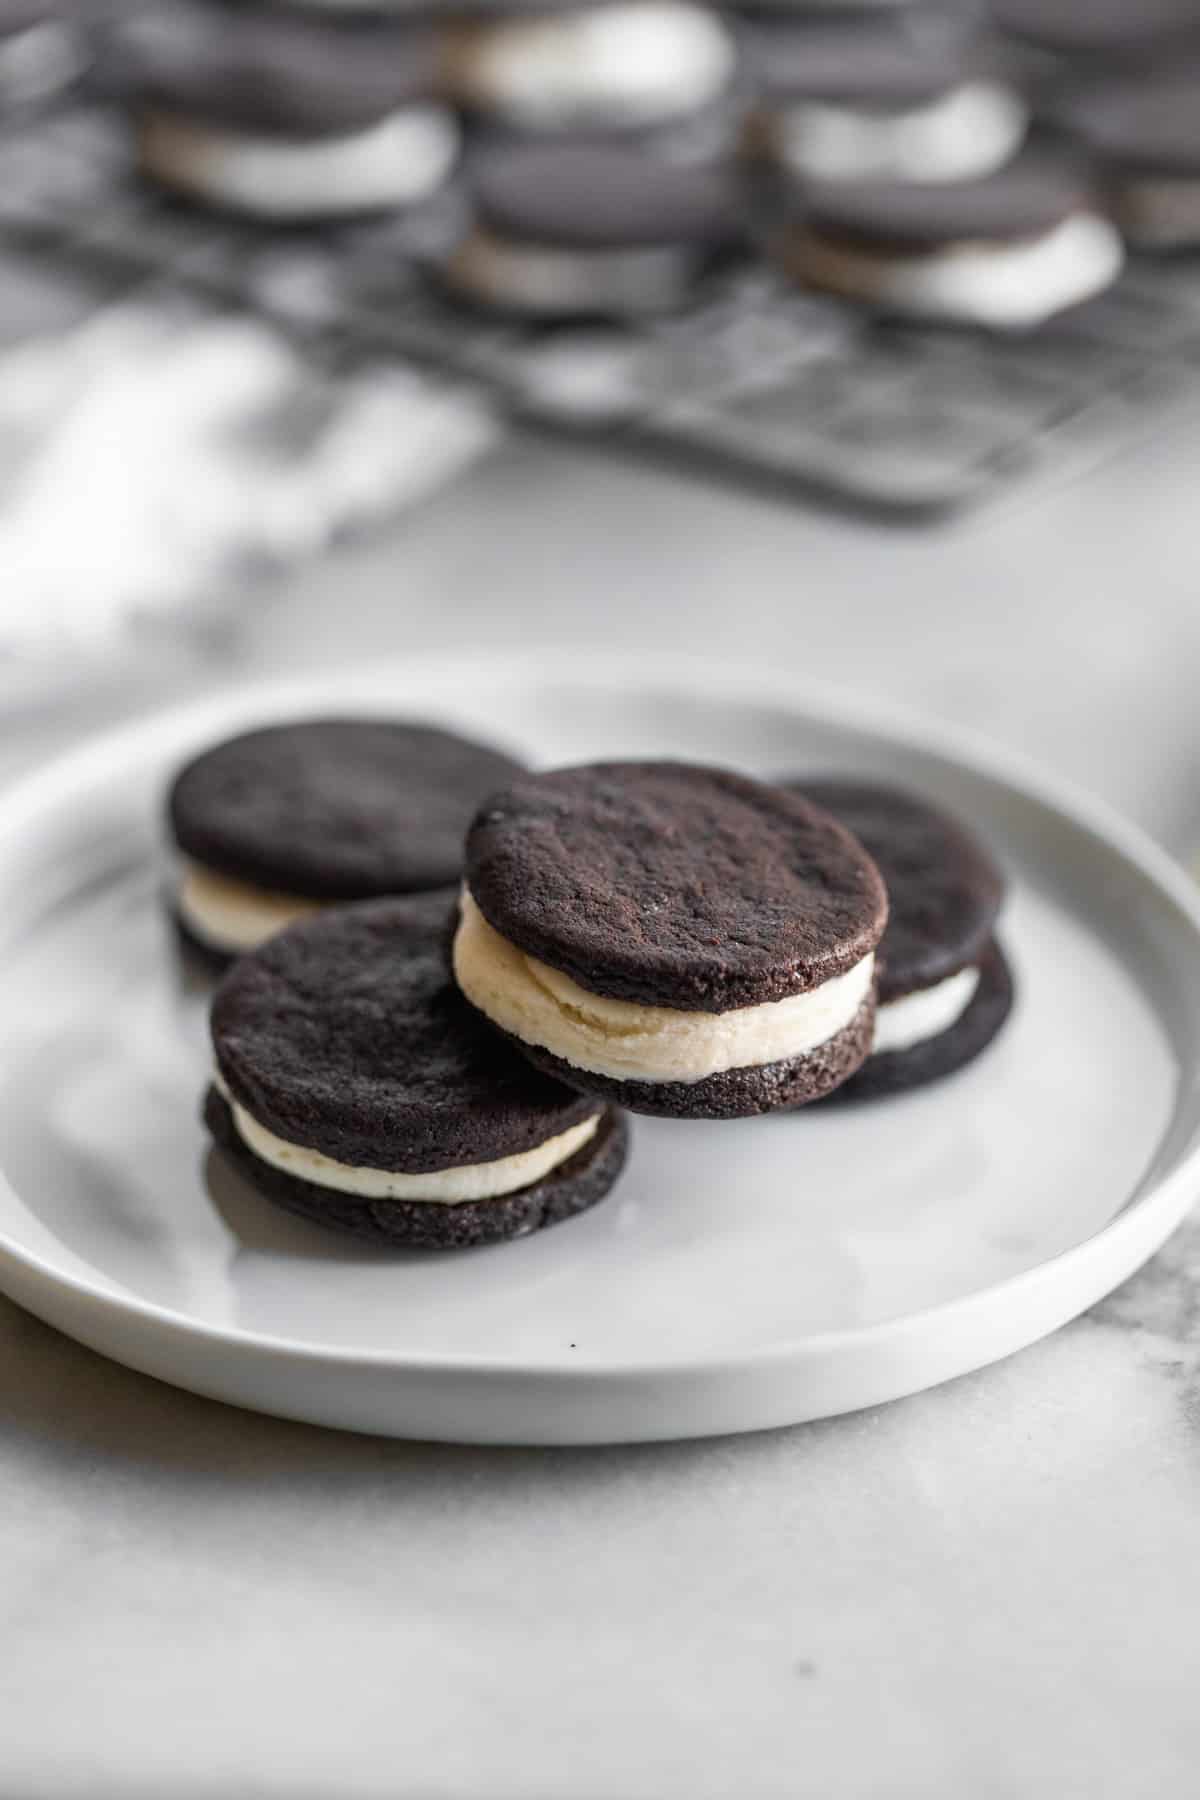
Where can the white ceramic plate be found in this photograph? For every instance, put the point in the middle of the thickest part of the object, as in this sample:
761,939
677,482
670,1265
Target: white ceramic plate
742,1275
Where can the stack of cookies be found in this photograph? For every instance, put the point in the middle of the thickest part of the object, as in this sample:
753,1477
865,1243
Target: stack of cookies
597,181
595,159
908,179
448,980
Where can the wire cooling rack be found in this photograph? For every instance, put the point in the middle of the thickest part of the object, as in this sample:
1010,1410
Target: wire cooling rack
755,381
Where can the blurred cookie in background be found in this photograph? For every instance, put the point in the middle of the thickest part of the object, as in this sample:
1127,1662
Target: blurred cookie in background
1007,251
1100,29
288,118
591,229
877,96
1144,136
593,68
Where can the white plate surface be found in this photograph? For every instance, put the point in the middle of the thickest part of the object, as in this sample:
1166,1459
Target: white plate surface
742,1275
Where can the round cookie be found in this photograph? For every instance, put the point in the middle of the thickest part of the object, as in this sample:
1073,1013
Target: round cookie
355,1086
944,987
1144,135
1008,250
865,98
679,939
587,68
590,228
278,822
288,118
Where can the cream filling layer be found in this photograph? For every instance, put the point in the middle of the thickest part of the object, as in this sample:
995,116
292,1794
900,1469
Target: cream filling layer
403,158
1008,286
964,134
630,1042
925,1014
627,64
543,278
233,915
443,1187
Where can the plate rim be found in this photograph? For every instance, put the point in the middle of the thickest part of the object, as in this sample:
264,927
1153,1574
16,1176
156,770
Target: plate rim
1154,1208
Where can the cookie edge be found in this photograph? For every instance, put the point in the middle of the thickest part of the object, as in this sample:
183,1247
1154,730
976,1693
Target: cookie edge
572,1188
743,1093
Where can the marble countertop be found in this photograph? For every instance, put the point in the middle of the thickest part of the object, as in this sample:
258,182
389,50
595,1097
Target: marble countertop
991,1590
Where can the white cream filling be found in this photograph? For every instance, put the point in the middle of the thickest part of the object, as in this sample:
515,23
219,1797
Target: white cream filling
233,916
445,1187
629,64
630,1042
924,1014
403,158
1161,212
544,278
1008,286
964,134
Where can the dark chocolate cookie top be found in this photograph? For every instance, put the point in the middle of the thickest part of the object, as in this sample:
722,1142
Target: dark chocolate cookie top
944,888
1149,126
1099,27
1026,199
346,1034
335,809
674,885
873,61
593,195
273,71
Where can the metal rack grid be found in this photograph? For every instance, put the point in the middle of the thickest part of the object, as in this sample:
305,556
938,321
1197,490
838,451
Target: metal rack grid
755,381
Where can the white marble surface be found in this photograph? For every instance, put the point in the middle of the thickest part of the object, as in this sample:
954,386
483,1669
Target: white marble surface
991,1590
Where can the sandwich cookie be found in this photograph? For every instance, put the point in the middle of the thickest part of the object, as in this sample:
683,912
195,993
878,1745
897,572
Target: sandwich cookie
874,98
680,940
356,1087
287,118
590,229
1144,136
1009,250
593,67
279,822
944,987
